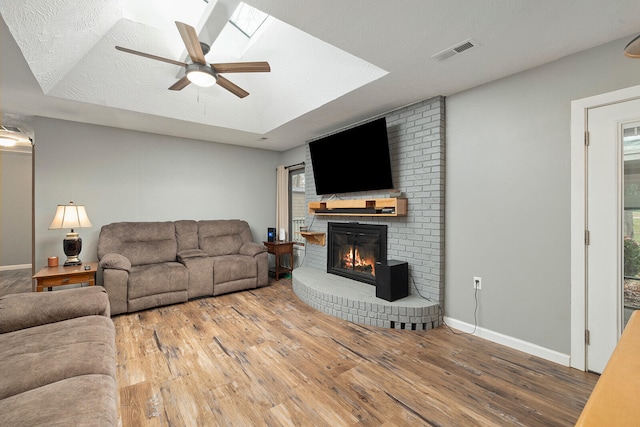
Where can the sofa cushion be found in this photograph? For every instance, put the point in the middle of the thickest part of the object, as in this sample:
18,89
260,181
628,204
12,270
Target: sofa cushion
141,242
223,237
221,245
187,235
34,357
152,279
228,268
87,400
19,311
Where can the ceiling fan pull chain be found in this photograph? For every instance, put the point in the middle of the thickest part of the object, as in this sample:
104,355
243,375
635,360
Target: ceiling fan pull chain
204,101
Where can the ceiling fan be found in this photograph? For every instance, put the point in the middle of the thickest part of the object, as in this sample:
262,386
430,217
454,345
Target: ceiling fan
632,49
199,72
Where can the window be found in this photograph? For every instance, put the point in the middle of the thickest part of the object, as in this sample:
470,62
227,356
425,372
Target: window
297,206
248,19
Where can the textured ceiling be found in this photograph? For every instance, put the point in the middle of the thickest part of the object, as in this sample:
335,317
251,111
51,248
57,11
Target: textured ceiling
333,62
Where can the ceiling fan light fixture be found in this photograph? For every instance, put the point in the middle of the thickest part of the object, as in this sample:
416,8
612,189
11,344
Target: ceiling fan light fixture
7,141
632,49
201,75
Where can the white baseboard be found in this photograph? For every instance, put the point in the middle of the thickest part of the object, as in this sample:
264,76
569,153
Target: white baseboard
14,267
515,343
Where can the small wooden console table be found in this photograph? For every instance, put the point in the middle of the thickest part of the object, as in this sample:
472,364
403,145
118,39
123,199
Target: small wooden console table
49,277
278,248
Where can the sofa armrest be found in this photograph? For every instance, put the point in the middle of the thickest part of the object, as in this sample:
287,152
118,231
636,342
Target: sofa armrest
115,261
191,253
252,249
26,310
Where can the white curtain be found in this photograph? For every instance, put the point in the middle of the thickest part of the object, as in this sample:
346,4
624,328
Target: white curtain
282,201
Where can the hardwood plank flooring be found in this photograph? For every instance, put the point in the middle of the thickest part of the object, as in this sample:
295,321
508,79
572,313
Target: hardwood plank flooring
263,358
15,281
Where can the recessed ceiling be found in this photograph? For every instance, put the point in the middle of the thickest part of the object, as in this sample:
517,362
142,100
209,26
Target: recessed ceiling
333,63
79,62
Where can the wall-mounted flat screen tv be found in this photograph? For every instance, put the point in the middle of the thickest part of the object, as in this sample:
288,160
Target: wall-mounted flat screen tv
356,159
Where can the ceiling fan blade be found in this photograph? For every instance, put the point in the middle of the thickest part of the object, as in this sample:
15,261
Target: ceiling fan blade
150,56
180,84
231,87
242,67
191,42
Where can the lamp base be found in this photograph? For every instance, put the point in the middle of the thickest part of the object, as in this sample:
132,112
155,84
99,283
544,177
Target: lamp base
72,261
72,245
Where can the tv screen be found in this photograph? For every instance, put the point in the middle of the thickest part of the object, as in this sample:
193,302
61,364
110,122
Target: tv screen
356,159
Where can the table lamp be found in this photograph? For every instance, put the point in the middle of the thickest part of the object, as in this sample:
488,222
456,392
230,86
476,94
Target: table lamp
71,216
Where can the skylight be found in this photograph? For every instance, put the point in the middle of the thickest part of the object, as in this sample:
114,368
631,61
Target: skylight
248,19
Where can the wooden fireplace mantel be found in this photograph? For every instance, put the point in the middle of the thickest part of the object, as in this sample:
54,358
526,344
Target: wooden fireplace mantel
360,207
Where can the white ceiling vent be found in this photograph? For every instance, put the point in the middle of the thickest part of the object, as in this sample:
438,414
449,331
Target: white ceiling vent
454,50
10,129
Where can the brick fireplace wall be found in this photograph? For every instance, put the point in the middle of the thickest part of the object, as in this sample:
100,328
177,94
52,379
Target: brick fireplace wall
417,147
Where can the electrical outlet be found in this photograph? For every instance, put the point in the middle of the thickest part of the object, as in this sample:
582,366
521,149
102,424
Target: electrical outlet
477,282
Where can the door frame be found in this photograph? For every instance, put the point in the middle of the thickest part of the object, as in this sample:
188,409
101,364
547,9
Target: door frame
579,126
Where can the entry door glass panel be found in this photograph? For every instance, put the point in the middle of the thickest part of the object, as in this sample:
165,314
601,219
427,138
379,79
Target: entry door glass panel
631,220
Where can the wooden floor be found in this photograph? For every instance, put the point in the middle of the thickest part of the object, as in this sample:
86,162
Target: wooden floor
15,281
264,358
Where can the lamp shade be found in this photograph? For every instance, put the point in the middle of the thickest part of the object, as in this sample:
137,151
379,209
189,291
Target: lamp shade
70,216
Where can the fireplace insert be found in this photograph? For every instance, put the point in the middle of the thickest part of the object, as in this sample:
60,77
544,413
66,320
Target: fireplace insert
353,250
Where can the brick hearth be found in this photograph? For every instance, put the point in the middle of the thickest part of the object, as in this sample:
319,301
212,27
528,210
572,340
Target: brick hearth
356,301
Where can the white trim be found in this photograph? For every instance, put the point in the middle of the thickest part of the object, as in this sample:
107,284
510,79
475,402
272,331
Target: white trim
511,342
579,110
14,267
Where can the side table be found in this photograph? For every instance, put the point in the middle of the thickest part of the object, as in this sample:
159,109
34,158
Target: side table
278,248
49,277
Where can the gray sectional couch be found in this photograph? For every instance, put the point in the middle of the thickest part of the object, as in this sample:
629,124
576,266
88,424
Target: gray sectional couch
148,264
57,359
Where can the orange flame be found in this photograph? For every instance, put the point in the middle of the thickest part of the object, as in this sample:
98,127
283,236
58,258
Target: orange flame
358,262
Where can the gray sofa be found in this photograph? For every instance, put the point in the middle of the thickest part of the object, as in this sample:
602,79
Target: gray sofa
149,264
57,359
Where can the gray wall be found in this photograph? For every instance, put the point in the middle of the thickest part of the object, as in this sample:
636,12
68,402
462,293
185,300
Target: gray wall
121,175
508,194
15,208
294,156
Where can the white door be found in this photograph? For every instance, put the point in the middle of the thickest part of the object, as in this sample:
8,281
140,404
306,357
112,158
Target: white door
604,222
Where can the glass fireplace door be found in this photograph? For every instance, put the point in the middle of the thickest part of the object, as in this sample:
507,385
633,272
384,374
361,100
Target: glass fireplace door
354,250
